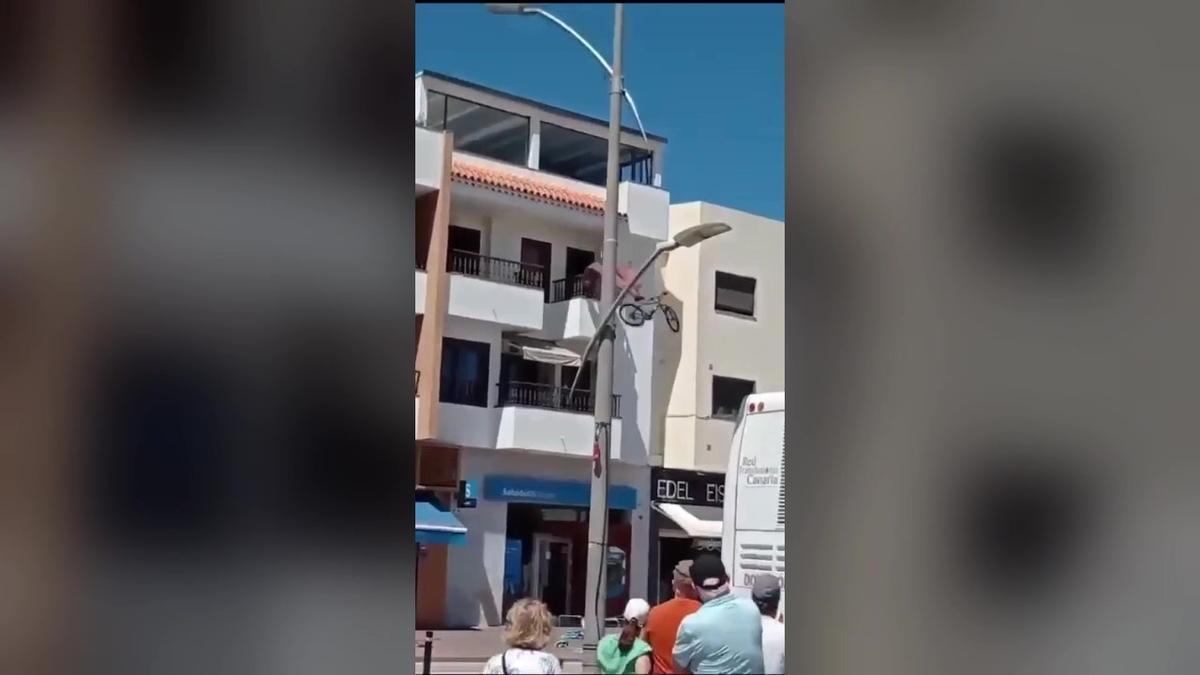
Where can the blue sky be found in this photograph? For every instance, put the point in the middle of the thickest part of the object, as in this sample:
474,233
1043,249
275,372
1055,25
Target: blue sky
707,77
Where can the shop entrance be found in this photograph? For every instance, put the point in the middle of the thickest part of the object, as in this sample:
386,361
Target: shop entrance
552,572
546,557
674,549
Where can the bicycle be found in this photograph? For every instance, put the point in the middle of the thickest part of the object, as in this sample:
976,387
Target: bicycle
640,311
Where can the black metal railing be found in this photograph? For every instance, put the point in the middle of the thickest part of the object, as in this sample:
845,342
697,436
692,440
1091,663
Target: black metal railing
578,286
496,269
551,397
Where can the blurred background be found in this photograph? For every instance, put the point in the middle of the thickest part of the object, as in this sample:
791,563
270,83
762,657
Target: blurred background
996,262
204,336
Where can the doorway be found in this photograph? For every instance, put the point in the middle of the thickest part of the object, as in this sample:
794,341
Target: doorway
534,252
552,572
463,254
578,284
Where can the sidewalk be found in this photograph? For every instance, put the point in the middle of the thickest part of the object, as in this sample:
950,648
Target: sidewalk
478,645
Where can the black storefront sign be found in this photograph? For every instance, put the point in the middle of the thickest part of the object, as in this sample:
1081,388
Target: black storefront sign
693,488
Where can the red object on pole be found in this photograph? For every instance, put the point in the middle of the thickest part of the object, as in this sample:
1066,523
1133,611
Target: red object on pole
625,278
596,466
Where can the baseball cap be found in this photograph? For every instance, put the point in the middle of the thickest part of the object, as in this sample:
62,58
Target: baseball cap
682,571
636,610
708,572
765,588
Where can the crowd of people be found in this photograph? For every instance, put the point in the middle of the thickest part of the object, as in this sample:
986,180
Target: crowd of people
704,628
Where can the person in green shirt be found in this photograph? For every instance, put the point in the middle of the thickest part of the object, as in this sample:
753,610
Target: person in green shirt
627,653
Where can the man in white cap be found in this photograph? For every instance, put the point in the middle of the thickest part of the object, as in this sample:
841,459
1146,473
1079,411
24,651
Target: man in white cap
766,592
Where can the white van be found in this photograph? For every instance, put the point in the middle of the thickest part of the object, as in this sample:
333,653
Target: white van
752,536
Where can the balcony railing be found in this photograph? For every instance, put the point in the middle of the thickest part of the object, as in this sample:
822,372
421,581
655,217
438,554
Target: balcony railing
496,269
550,397
578,286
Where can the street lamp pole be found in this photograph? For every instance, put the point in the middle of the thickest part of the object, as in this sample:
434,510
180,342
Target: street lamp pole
595,590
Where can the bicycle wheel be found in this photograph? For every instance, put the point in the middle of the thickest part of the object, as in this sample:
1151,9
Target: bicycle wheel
631,314
671,317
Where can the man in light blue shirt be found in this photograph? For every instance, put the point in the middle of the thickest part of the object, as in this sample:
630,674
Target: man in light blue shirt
725,634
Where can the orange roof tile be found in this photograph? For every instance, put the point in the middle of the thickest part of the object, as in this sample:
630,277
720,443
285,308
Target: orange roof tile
527,187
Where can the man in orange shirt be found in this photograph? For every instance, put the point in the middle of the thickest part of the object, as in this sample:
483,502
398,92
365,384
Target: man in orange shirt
662,625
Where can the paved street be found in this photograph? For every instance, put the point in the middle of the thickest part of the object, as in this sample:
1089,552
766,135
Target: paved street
466,651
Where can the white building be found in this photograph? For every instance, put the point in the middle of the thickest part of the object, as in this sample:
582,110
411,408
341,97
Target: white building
729,293
509,218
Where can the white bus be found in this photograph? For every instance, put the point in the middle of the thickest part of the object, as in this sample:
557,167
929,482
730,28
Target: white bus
752,535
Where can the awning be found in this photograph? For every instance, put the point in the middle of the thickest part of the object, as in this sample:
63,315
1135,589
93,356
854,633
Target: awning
625,275
548,353
701,522
435,526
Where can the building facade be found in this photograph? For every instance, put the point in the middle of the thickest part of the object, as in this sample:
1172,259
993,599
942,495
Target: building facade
729,294
509,227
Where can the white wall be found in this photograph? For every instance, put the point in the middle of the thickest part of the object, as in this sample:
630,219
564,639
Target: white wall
715,343
477,568
429,155
556,431
504,305
523,428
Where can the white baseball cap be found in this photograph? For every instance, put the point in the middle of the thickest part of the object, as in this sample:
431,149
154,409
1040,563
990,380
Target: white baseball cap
636,610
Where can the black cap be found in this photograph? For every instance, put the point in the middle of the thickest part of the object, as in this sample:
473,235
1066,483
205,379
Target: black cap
708,572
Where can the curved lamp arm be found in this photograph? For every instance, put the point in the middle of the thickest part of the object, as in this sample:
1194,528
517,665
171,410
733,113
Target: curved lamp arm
612,309
563,25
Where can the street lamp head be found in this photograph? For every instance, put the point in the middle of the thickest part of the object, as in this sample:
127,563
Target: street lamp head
698,233
508,8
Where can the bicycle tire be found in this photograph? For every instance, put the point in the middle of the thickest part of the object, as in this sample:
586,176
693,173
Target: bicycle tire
671,318
632,314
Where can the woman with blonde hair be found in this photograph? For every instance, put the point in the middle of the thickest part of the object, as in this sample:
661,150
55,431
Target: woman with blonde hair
528,632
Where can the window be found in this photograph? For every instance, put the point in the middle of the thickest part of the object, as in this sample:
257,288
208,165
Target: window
584,157
728,394
735,294
479,129
464,372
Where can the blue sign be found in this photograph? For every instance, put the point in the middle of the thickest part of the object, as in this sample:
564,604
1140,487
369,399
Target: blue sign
556,492
467,494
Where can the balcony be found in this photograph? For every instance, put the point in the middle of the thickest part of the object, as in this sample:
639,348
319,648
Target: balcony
495,290
573,311
550,397
523,416
495,269
578,286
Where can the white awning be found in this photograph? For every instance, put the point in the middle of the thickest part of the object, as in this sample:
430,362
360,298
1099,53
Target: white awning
552,354
700,522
